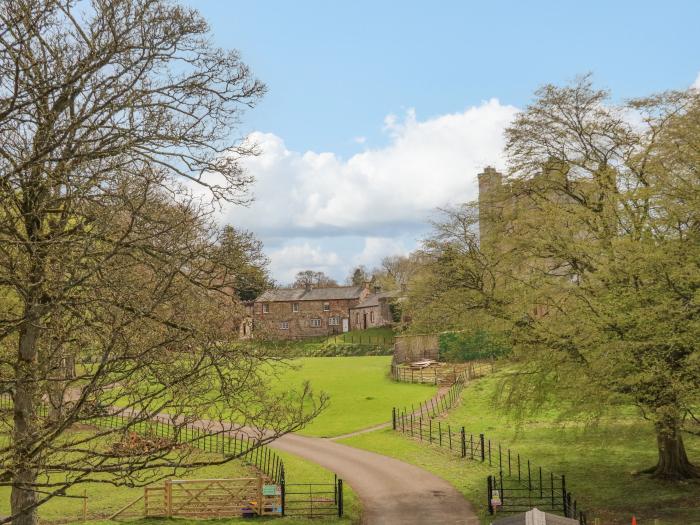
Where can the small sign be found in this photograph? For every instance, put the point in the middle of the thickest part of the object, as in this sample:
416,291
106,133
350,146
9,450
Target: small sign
495,499
271,490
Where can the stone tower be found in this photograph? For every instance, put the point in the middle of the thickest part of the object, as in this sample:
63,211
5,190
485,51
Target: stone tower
491,201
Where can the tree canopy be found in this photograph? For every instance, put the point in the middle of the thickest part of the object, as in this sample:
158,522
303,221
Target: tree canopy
592,263
110,114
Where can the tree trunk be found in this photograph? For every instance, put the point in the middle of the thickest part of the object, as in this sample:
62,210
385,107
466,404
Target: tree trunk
26,399
673,460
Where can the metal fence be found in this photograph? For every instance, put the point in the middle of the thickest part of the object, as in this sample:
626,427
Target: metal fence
516,487
314,501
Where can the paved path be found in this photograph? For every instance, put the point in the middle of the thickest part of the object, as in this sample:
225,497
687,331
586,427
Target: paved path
392,492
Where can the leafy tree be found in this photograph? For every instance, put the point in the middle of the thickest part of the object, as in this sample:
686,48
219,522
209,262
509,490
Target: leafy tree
604,242
591,261
244,264
358,276
312,278
110,112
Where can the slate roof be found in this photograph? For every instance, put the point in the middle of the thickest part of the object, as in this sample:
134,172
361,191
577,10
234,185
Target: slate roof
315,294
373,300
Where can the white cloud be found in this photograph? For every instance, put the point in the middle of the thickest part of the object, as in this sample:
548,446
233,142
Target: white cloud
376,248
286,261
379,199
426,164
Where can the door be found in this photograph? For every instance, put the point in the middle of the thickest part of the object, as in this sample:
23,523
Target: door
346,323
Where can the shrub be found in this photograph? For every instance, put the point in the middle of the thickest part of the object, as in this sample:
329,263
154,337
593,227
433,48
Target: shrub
465,346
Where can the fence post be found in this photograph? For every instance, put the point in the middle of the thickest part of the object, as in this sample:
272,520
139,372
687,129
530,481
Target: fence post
529,477
340,498
483,452
282,487
168,498
393,417
551,481
489,494
464,443
563,492
260,496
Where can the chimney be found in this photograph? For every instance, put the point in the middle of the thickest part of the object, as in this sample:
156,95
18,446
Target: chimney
377,289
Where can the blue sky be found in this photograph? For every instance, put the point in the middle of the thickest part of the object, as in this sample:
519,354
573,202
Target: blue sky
378,112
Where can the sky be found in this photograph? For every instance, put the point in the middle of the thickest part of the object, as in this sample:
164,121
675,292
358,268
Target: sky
378,113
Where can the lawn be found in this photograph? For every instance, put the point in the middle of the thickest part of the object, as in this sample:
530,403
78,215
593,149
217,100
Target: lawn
361,392
599,461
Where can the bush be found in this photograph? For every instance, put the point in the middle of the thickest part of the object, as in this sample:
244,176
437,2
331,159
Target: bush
458,347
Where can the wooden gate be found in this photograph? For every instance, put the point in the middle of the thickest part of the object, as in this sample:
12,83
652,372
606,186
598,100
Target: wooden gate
212,498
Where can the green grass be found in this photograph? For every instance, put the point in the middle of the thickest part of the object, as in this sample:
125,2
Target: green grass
361,392
599,461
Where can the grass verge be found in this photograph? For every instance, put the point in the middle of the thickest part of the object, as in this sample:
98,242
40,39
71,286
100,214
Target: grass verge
599,461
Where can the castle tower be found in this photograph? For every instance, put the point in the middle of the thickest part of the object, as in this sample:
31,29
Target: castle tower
491,201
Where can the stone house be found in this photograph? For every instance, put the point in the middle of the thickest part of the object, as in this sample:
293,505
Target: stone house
298,313
374,311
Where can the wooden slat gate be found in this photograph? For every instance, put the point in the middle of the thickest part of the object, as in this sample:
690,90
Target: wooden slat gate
212,498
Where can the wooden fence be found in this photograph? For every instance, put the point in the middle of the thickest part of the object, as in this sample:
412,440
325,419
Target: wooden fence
207,498
440,373
409,348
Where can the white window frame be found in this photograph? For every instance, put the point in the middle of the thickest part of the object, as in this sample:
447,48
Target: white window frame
371,316
326,307
266,308
295,308
333,321
284,325
315,323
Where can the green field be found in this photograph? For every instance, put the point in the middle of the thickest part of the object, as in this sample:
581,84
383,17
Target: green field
599,461
361,392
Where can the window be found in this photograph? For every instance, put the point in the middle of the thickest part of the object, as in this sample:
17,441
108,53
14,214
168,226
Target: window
371,316
333,321
284,325
295,307
357,318
266,308
315,323
326,307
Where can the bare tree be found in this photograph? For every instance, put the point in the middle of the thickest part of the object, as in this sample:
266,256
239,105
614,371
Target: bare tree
110,115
